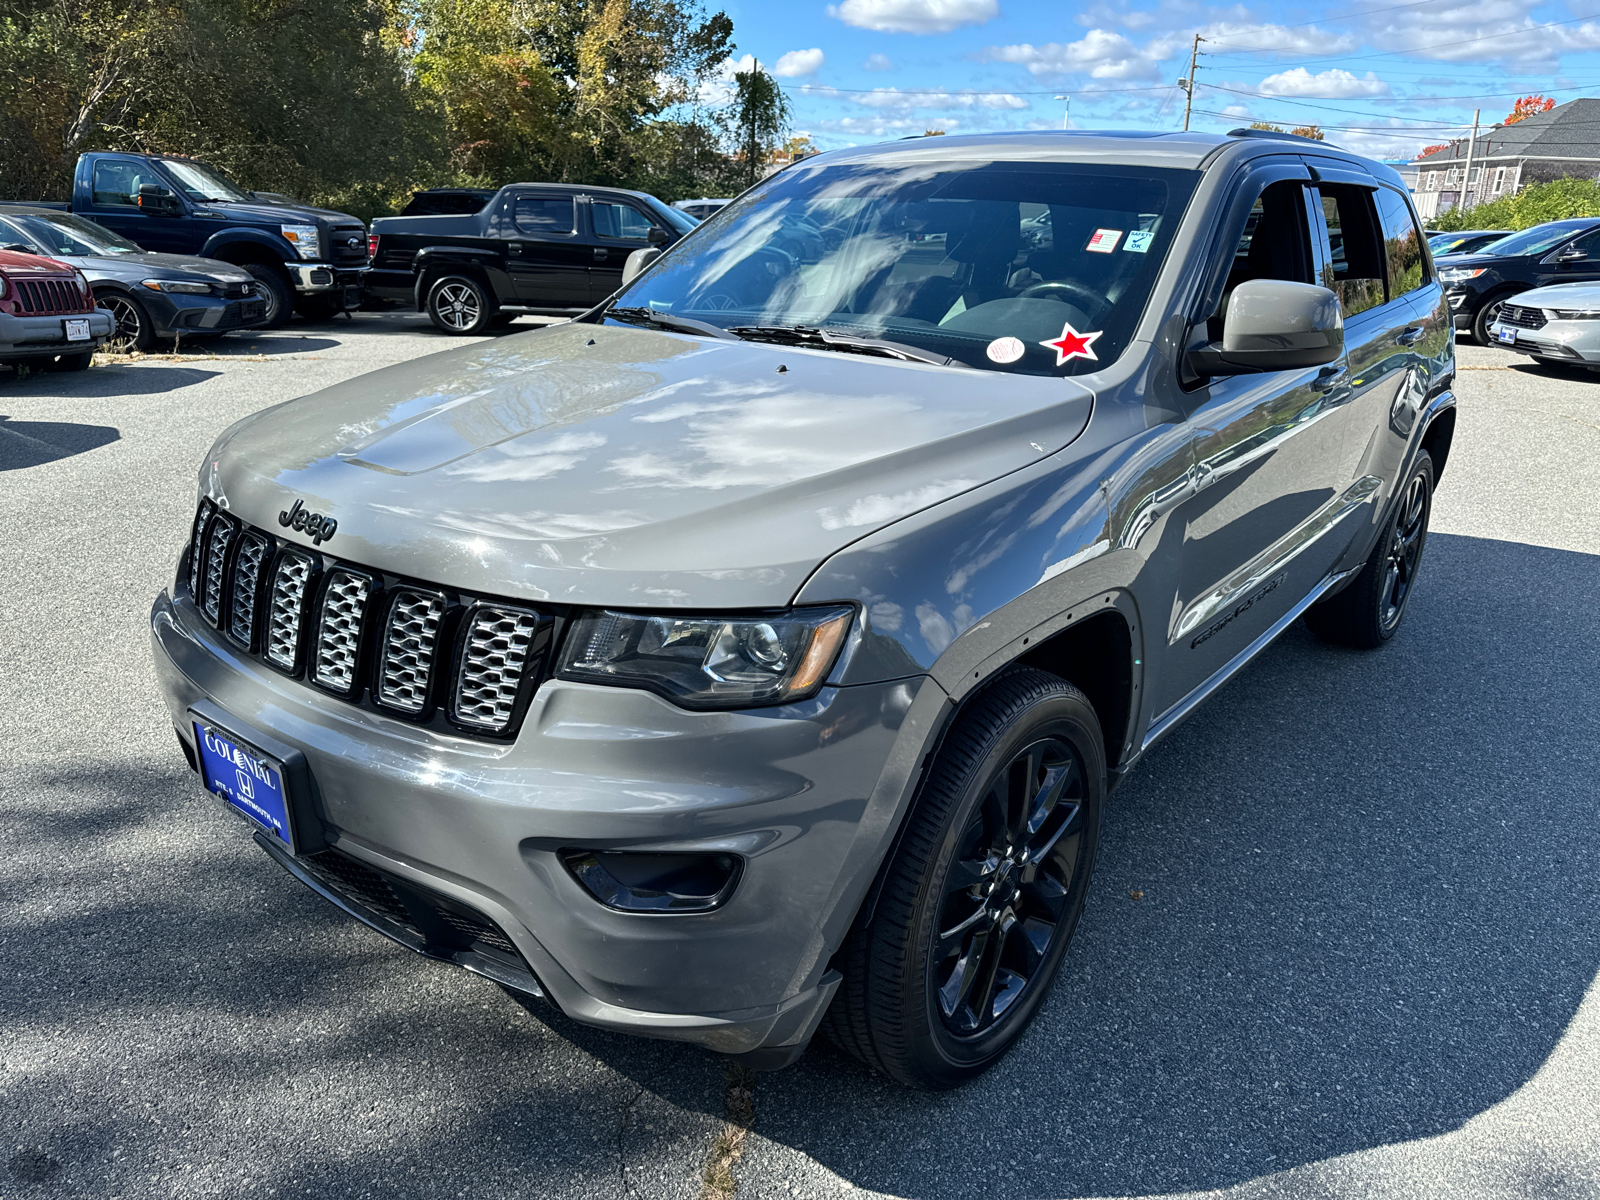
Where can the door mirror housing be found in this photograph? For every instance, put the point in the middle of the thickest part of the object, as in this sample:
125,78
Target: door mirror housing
637,262
658,236
19,247
153,198
1571,255
1274,325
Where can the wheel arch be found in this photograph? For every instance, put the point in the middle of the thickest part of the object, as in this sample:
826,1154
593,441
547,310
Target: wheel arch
240,246
1096,656
434,263
1437,437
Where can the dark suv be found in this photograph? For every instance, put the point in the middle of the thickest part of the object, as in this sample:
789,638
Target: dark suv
1476,285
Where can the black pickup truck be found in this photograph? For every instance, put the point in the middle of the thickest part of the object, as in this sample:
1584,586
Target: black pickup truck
307,259
532,248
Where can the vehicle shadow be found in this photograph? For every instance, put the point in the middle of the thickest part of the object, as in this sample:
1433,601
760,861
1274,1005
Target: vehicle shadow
33,443
106,379
245,345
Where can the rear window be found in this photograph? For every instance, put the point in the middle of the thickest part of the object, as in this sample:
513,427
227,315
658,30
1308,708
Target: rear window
445,204
547,215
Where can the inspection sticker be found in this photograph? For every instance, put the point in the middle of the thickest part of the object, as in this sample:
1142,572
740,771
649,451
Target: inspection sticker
1139,241
1104,241
1006,350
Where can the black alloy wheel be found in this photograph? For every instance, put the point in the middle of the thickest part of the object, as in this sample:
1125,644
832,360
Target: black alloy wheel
276,291
979,903
132,329
1369,610
459,305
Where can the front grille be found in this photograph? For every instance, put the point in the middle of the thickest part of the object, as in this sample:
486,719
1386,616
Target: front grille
43,297
426,654
1522,317
345,255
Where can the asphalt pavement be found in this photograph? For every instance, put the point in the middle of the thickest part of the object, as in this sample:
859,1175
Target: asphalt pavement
1342,942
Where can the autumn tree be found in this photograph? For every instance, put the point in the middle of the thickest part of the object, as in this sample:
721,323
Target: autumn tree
1309,131
1528,106
757,119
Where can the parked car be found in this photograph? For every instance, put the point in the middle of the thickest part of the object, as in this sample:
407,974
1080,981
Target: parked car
533,248
1476,285
1466,242
150,296
1558,325
755,652
439,202
47,314
306,259
703,208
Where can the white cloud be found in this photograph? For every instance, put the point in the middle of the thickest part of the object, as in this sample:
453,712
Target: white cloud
1231,37
797,63
877,62
914,16
1335,84
1484,31
1100,52
893,99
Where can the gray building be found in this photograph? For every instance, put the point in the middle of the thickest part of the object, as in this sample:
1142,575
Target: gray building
1561,143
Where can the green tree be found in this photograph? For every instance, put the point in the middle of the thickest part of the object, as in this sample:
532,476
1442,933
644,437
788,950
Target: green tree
758,119
1533,205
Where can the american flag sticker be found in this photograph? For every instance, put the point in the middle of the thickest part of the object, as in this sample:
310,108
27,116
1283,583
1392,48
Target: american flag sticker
1104,241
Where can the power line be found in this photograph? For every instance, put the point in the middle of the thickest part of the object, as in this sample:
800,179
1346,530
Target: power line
1488,37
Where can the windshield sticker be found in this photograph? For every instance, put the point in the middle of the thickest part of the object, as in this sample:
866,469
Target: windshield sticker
1006,350
1072,344
1104,241
1139,241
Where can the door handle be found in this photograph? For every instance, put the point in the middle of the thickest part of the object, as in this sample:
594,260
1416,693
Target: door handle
600,252
514,247
1328,378
1410,337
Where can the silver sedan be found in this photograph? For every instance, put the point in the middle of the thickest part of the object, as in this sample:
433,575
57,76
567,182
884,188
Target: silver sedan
1557,324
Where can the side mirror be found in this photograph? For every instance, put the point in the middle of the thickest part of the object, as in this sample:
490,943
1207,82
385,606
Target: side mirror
153,198
19,247
658,236
1274,325
1571,255
637,262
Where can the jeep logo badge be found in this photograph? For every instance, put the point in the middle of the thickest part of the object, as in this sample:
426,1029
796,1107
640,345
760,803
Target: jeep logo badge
314,525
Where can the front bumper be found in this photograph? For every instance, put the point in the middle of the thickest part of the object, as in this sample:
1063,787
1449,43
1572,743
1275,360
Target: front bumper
789,789
317,278
1557,340
28,337
176,313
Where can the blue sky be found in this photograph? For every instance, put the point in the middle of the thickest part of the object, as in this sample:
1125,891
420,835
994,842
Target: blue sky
1381,79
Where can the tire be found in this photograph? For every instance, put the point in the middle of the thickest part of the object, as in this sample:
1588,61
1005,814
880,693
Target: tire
276,290
133,329
70,362
959,914
460,306
1484,317
1367,613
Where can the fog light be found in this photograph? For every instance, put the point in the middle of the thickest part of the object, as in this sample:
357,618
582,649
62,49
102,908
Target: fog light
634,881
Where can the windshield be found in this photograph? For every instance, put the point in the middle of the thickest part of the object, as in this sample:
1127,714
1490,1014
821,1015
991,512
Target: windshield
1534,241
69,235
1037,268
200,182
680,221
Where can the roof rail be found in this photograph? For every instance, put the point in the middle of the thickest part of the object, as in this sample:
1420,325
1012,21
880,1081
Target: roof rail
1273,133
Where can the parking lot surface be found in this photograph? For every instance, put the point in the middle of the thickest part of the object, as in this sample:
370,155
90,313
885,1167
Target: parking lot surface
1343,941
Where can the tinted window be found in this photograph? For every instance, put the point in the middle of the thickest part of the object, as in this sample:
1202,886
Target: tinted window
1402,244
548,215
438,204
621,221
1355,270
117,182
1588,244
70,235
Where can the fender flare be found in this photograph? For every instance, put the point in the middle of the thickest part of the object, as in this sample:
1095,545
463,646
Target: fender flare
484,265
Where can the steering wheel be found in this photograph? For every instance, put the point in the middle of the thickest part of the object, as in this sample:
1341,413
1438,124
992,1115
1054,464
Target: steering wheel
1093,305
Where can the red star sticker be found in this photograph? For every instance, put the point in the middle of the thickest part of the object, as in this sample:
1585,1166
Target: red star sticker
1072,344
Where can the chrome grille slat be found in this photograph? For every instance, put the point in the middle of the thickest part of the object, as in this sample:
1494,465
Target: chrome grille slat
336,655
1522,317
247,587
287,610
222,531
409,640
494,656
197,547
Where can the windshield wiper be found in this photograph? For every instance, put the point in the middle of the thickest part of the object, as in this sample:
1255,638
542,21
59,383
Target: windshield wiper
828,339
650,316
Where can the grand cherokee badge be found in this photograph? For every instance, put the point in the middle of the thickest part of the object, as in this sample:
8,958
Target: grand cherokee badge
316,526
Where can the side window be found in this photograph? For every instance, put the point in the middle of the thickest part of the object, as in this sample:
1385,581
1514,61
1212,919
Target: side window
1275,244
620,221
115,183
1356,266
1402,244
547,216
1588,244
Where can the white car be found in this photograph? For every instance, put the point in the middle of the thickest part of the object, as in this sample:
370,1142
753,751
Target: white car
1557,324
701,209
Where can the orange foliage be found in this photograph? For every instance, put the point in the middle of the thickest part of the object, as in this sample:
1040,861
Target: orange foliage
1529,106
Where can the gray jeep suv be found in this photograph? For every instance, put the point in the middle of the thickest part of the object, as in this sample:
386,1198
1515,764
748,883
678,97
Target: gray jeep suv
755,653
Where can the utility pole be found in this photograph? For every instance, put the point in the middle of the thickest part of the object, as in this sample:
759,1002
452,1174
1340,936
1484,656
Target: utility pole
1067,111
1188,84
1472,146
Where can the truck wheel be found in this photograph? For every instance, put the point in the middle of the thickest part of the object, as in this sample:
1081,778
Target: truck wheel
132,328
1366,614
459,305
70,362
276,290
980,901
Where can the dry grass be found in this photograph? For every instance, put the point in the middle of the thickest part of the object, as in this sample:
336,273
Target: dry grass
738,1099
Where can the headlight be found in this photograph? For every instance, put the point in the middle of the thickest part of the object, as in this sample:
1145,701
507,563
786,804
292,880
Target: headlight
178,285
708,662
307,239
4,287
1460,274
1575,314
83,284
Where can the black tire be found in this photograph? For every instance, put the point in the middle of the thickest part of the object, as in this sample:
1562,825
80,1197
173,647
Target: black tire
984,892
460,306
70,362
132,328
1484,317
276,290
1367,613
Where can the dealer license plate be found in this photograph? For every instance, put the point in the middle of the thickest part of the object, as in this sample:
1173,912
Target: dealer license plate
77,330
248,780
1504,334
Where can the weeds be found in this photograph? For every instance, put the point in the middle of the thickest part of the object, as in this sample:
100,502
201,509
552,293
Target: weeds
738,1100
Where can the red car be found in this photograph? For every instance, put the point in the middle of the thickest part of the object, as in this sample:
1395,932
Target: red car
47,313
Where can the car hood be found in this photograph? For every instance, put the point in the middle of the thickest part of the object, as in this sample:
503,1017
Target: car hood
1561,295
624,466
147,265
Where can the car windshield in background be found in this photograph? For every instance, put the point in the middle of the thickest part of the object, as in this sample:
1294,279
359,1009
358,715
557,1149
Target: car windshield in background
681,221
1536,240
69,235
1038,268
202,183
